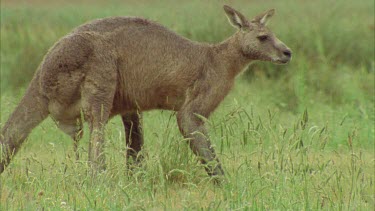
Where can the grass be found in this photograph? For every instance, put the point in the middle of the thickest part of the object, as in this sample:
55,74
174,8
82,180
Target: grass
297,137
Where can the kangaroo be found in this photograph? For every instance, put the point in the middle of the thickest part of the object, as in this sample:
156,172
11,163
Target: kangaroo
128,65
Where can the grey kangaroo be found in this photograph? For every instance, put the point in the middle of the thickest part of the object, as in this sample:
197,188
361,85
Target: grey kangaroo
127,65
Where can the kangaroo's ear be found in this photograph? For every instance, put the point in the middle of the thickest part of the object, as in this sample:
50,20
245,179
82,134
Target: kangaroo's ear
235,18
263,18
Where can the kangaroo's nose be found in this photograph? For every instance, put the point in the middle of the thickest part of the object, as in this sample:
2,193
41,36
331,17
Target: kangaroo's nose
287,53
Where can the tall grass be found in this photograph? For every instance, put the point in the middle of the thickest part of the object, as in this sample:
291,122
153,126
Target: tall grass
296,137
269,165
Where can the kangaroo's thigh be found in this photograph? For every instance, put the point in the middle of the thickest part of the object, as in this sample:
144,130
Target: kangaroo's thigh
65,67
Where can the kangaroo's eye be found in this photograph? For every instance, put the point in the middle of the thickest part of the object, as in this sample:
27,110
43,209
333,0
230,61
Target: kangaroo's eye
262,37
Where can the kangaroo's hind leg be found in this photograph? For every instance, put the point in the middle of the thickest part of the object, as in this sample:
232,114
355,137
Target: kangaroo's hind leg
134,135
97,111
97,96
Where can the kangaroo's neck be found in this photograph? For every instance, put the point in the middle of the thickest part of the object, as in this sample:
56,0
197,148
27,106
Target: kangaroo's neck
229,55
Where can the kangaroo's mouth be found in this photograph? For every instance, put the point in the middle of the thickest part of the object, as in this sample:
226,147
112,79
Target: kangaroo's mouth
281,61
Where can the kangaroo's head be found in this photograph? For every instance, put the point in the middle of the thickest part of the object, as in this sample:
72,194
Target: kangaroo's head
256,40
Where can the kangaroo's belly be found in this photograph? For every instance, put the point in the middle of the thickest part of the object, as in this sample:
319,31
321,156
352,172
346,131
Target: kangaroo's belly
136,98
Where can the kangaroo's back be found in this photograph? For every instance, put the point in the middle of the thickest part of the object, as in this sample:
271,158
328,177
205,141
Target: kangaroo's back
138,39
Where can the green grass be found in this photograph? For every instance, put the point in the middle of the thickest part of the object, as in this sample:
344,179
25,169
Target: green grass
297,137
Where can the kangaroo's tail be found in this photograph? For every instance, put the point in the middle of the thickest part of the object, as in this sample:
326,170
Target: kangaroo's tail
32,110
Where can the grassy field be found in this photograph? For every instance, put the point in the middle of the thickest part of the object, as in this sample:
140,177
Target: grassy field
296,137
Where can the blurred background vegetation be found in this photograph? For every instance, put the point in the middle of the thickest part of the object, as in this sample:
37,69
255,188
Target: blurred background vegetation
306,128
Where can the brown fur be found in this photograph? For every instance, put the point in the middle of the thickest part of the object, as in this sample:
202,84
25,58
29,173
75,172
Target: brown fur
124,66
